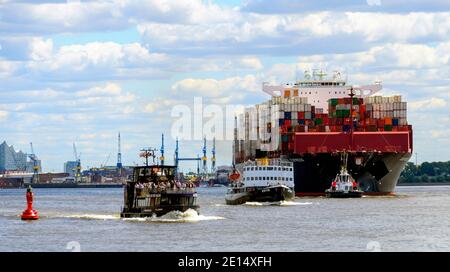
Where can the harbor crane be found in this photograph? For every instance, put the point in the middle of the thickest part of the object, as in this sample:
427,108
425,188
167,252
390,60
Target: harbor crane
78,161
36,168
213,158
177,159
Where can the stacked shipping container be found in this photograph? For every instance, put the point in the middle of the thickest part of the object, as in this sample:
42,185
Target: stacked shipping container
270,127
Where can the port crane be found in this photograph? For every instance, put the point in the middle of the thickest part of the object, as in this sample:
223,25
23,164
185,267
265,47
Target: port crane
177,159
213,158
36,168
78,161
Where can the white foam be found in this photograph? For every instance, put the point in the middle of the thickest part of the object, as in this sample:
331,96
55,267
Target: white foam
278,203
94,216
292,203
177,217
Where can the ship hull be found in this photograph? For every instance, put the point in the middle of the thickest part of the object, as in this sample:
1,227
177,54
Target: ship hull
159,211
343,194
377,174
263,194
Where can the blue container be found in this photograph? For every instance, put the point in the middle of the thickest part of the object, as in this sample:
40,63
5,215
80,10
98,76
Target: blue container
301,122
287,115
395,121
346,128
281,122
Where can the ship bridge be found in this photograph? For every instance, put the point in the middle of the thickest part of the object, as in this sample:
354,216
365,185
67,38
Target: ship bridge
319,90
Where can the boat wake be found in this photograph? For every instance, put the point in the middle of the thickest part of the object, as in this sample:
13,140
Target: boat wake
278,203
177,217
94,216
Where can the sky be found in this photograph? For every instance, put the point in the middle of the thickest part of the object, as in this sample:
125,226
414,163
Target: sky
81,71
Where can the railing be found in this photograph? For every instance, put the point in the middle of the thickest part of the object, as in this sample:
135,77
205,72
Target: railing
146,191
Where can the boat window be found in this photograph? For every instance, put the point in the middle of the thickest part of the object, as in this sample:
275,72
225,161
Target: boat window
269,168
271,178
264,168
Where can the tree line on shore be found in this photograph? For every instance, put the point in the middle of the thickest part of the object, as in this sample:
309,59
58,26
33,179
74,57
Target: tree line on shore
426,172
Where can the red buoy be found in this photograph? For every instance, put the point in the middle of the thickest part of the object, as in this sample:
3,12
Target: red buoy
29,213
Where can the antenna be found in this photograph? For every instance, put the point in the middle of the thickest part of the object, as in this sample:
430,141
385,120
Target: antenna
147,153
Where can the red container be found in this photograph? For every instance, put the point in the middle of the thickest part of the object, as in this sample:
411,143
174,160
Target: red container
339,121
388,121
288,123
347,121
362,108
380,123
301,115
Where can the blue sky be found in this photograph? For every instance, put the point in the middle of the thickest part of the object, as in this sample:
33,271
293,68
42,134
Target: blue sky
81,71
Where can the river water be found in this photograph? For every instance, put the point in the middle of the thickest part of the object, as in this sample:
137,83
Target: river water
416,219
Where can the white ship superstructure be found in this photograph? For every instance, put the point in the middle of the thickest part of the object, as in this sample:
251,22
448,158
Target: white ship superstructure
318,89
268,175
263,182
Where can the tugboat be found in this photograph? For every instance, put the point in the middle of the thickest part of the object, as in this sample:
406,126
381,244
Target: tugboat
343,186
153,190
261,183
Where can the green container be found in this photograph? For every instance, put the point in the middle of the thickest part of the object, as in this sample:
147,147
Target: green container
318,121
345,113
285,138
355,101
387,128
333,101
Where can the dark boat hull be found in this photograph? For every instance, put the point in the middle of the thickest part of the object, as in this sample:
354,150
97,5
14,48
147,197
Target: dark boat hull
158,204
271,194
342,194
159,211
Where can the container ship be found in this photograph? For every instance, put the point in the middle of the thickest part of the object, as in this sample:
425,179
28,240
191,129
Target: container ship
314,120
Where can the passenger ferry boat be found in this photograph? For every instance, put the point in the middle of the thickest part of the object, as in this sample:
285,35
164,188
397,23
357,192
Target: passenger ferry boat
153,190
262,183
344,186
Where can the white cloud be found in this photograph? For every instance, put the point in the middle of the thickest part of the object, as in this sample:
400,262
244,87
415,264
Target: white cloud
41,49
92,60
3,115
235,87
290,31
7,68
110,89
428,104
